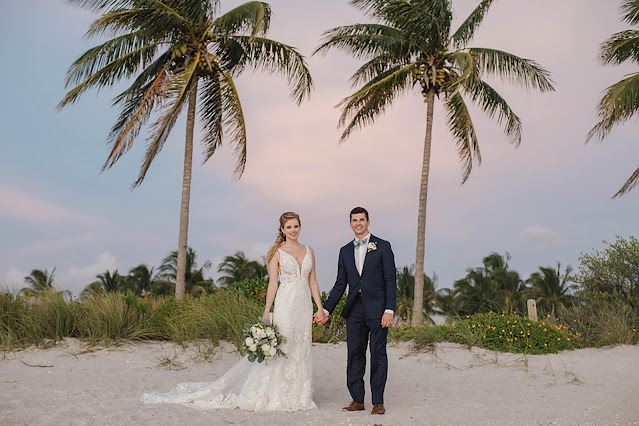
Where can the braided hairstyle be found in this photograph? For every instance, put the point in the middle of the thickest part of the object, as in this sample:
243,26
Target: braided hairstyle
281,238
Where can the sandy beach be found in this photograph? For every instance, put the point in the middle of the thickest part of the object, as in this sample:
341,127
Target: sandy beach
71,384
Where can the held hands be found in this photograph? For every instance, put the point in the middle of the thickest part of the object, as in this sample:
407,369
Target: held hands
320,317
387,320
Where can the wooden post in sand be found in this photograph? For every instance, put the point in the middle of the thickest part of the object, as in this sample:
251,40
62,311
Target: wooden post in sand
532,309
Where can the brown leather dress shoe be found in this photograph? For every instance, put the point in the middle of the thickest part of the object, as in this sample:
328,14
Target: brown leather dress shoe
355,406
378,409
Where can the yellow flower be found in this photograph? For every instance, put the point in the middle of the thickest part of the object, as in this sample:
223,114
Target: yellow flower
545,344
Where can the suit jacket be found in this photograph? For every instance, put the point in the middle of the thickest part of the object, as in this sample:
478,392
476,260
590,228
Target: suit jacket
377,283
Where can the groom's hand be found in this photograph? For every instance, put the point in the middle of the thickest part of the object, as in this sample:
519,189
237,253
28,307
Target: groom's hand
320,318
387,320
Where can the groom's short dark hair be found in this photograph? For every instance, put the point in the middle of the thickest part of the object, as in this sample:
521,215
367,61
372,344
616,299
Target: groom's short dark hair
357,210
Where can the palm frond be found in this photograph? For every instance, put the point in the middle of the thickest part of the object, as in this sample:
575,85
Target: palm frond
100,56
621,47
525,72
138,105
618,104
425,22
178,90
370,101
154,22
365,41
467,29
253,17
376,66
222,116
194,11
121,67
461,126
491,102
630,183
630,11
268,55
369,7
99,6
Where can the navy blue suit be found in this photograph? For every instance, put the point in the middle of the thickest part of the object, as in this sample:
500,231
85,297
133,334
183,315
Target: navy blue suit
369,295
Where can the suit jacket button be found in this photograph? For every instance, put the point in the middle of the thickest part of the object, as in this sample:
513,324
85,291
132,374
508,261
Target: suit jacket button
361,281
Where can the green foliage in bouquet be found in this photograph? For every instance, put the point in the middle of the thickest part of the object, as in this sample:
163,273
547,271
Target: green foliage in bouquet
262,342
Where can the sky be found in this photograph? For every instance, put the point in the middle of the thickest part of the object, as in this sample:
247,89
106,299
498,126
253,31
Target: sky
546,201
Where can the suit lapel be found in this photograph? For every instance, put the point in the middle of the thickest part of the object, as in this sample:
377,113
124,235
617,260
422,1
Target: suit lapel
350,257
370,240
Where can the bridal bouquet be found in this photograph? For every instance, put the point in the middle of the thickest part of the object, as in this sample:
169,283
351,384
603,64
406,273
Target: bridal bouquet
262,342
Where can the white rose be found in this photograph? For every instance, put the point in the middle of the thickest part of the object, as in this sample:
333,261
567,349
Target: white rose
272,352
266,348
268,330
253,347
249,341
270,333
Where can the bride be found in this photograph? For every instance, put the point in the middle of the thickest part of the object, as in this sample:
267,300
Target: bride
284,384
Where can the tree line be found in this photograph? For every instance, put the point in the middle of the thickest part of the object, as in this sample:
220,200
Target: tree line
491,287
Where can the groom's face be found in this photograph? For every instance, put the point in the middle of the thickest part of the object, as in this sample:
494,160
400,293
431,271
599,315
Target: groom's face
359,224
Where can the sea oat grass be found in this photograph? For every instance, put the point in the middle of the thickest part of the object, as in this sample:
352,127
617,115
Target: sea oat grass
603,319
112,318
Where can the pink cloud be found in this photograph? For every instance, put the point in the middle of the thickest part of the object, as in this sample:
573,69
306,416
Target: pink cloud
24,207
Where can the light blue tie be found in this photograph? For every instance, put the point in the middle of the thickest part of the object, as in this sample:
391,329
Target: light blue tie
358,243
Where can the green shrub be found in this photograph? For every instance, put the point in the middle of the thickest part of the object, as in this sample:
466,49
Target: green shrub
603,318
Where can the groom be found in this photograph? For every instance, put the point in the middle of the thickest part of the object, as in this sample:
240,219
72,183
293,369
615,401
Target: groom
367,266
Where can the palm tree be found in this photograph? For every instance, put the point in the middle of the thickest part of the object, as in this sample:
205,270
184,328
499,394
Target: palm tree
511,287
550,288
39,280
477,292
184,50
620,102
108,282
238,268
195,283
411,45
447,304
142,278
490,287
405,295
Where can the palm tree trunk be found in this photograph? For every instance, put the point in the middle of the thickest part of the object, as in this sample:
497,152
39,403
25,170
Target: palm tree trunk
180,279
421,216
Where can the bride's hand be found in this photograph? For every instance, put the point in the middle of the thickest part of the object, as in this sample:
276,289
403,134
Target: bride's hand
266,318
320,317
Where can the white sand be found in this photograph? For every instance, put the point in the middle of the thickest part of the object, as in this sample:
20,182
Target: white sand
68,385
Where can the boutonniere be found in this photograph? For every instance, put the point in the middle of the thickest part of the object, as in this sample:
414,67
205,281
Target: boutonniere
372,246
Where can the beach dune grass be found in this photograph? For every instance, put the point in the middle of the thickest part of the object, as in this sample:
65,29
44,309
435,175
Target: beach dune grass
46,317
108,319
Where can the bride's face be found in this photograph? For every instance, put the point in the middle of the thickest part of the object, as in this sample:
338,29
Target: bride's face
291,229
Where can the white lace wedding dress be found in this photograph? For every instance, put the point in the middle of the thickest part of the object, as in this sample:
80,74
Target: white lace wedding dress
284,384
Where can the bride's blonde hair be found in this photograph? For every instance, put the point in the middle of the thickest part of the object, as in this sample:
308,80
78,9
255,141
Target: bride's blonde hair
281,238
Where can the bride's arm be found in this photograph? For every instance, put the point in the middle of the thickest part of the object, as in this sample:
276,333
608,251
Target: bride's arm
273,269
312,283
